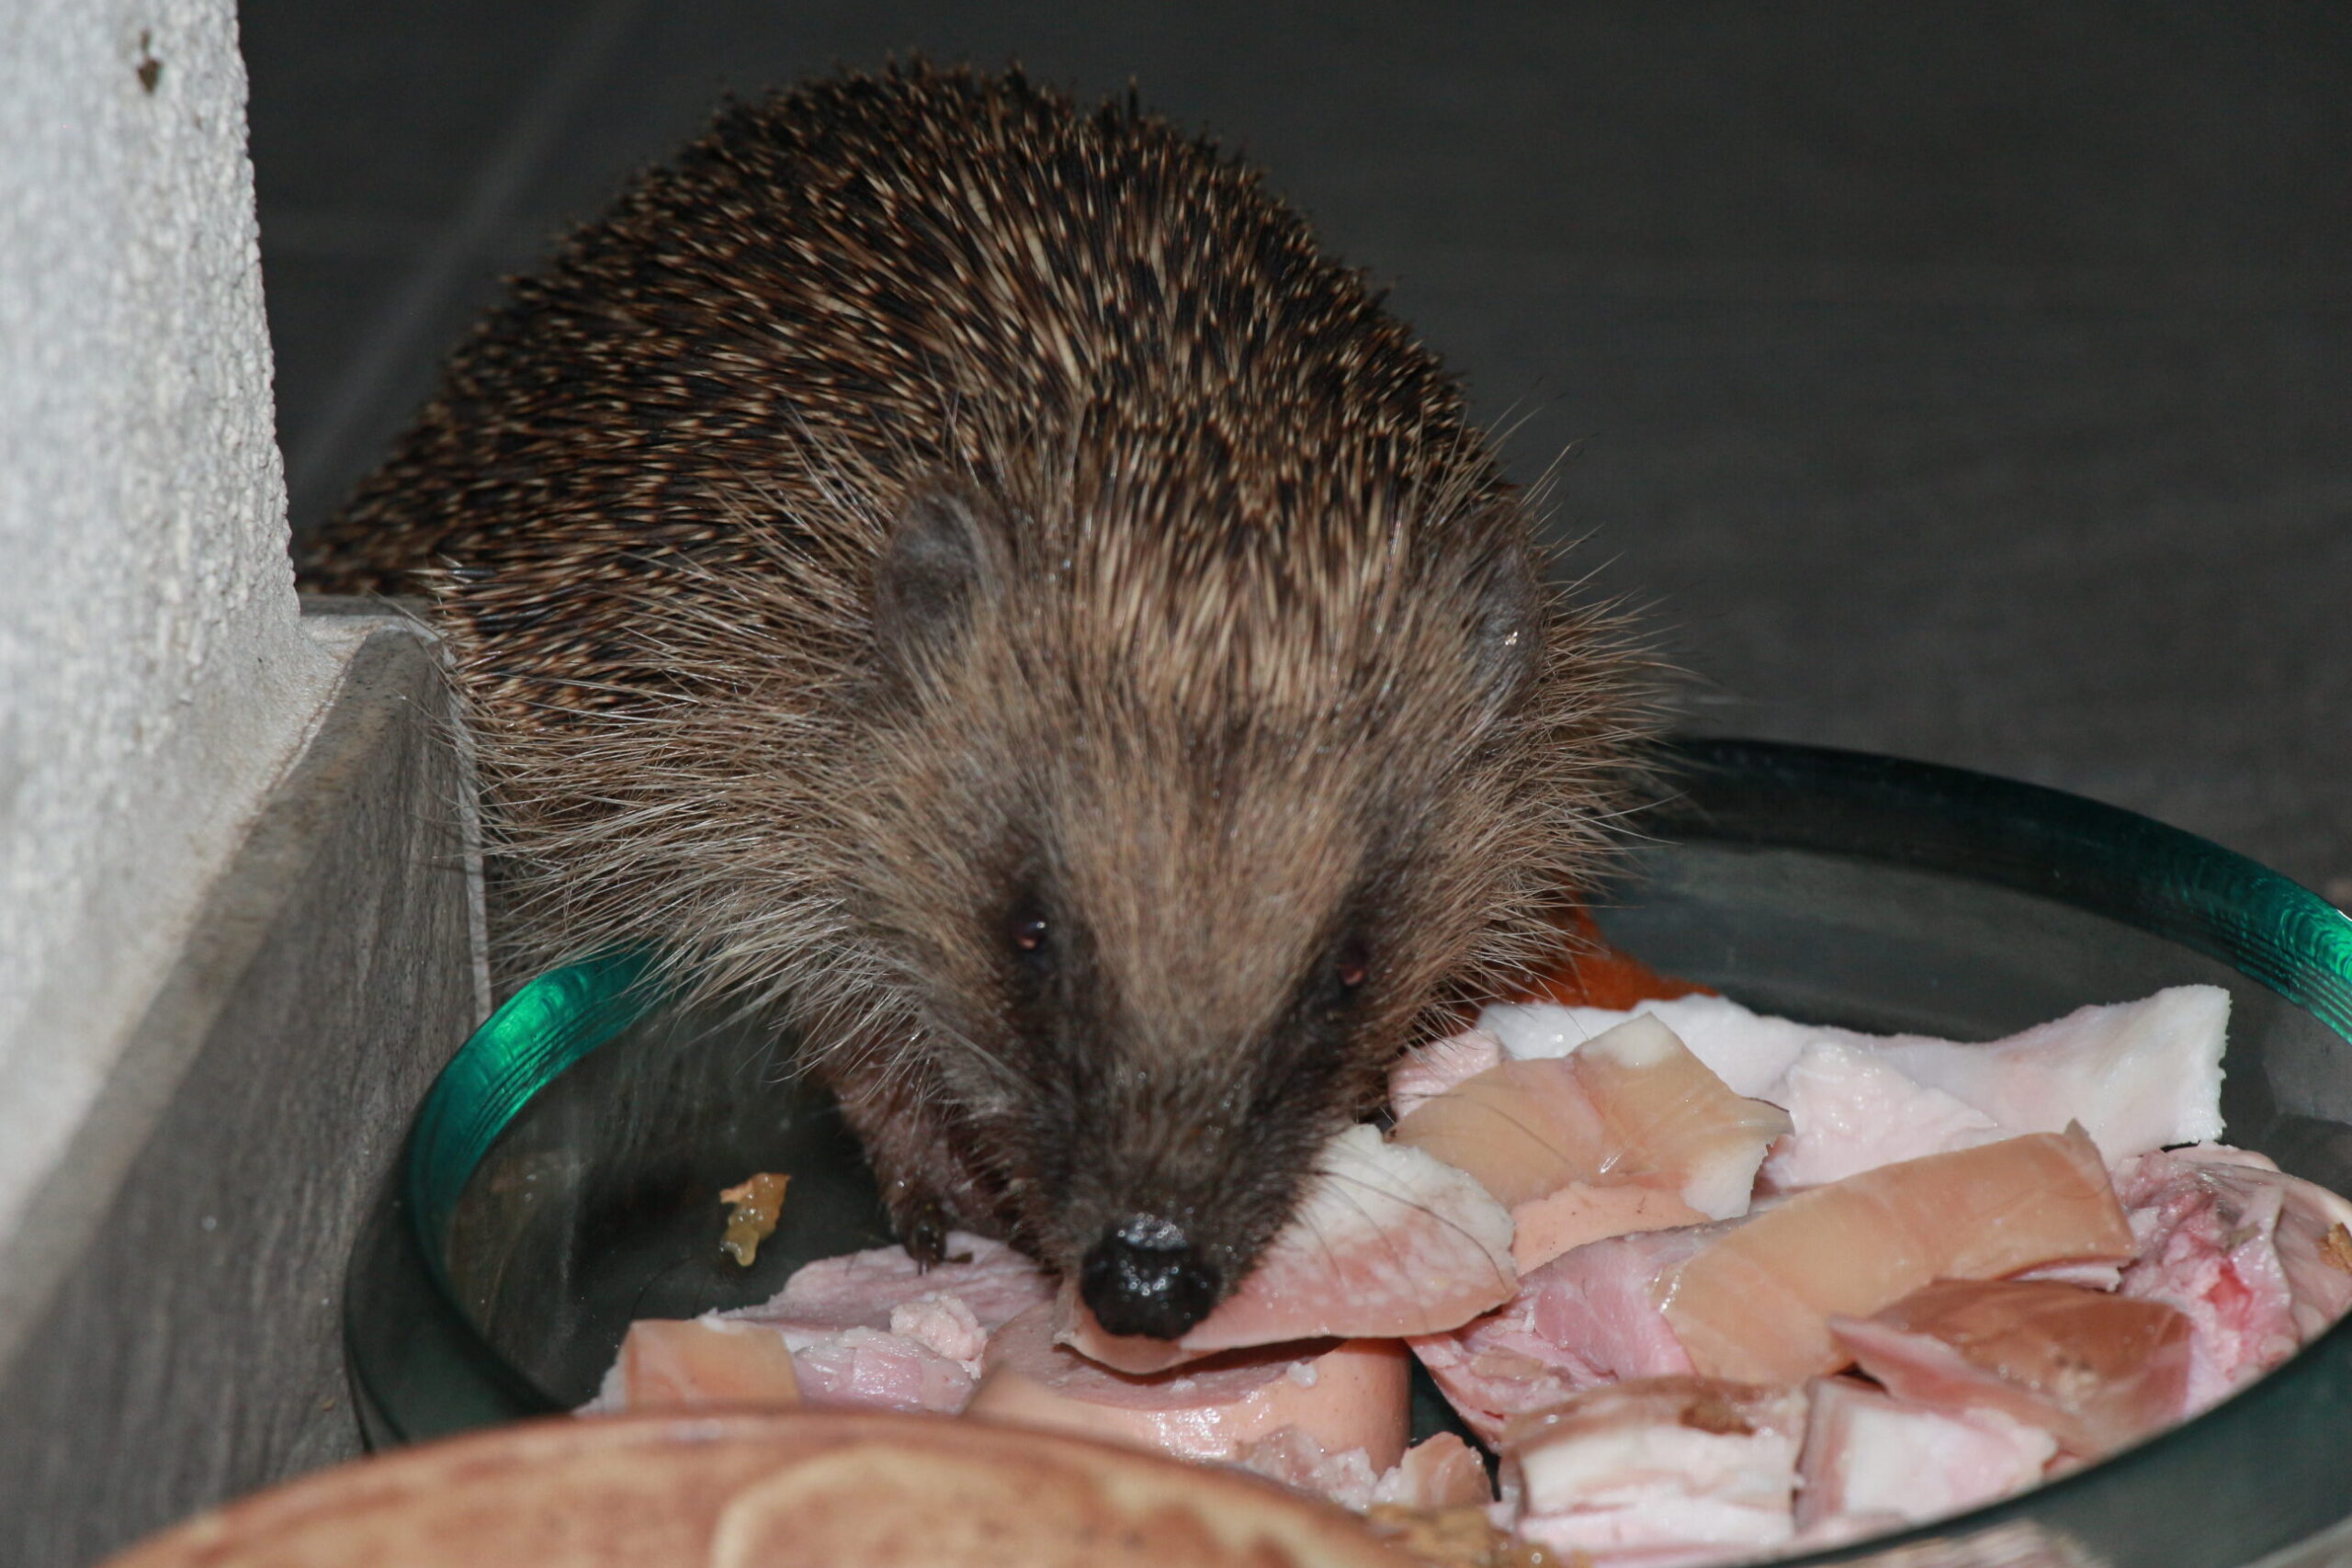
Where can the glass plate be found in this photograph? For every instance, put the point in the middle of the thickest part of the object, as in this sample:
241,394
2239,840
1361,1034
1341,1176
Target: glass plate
562,1177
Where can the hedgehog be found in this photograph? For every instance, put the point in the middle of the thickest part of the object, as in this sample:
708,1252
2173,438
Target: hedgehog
963,576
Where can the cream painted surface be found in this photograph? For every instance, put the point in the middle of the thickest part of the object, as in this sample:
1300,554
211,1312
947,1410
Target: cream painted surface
154,674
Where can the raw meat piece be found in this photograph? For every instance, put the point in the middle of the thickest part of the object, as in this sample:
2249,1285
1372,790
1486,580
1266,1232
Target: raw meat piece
701,1360
1659,1463
945,1324
1522,1130
1588,1318
1853,1111
867,1369
1874,1464
860,1291
1438,1473
1585,1211
1754,1305
1290,1456
1631,1106
1351,1395
2258,1261
2137,1076
1389,1242
1750,1052
2098,1371
1430,1070
1667,1119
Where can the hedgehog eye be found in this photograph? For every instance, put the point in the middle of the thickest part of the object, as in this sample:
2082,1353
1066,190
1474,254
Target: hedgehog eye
1028,929
1352,965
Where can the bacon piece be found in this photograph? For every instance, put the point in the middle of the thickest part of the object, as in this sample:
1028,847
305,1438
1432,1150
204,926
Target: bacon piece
1670,1120
1588,1317
1851,1112
867,1369
1755,1303
1583,1213
2258,1261
1659,1463
1436,1474
1522,1130
1874,1464
2096,1371
1427,1071
1631,1106
1389,1242
1750,1052
861,1290
699,1360
1346,1396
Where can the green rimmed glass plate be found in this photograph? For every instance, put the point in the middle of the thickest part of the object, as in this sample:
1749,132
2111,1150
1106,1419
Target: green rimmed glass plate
561,1178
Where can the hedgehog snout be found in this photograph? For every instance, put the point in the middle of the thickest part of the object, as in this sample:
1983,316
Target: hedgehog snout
1146,1276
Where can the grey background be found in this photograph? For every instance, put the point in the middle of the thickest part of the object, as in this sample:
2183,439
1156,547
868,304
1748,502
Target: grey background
1970,383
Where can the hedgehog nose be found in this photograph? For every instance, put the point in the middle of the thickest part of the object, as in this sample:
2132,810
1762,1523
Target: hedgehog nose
1146,1277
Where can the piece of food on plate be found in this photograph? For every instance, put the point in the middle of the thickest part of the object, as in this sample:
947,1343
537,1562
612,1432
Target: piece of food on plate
2096,1371
1657,1465
1750,1052
861,1290
754,1204
1872,1462
1852,1111
1343,1397
697,1361
1630,1108
1427,1071
1434,1476
1754,1305
1591,1317
1388,1242
2259,1261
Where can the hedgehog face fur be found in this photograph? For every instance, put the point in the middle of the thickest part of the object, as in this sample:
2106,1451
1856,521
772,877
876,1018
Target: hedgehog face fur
971,578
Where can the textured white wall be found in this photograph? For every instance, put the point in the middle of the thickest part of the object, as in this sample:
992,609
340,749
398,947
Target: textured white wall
153,677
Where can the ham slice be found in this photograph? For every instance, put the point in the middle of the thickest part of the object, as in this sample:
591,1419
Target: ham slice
698,1362
1850,1111
1342,1397
862,1290
1659,1464
1754,1305
2138,1075
1389,1242
2258,1261
1630,1109
1427,1071
867,1369
1588,1317
1874,1464
2096,1371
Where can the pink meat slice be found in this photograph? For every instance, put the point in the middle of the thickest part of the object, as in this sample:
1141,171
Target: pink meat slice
1755,1303
1521,1129
861,1290
1430,1070
2095,1371
1667,1119
1389,1242
1659,1464
868,1369
1344,1396
1872,1462
1851,1112
2258,1261
698,1362
1750,1052
1437,1472
1583,1213
1589,1317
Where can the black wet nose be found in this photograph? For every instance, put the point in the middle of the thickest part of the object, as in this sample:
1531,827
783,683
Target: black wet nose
1146,1277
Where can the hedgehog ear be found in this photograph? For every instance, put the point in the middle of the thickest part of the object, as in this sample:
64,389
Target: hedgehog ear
1506,638
948,550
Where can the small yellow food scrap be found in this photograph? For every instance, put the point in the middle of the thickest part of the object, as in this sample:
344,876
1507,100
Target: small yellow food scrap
2336,1247
757,1203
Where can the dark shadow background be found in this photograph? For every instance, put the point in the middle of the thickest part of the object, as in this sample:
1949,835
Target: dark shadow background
1972,383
